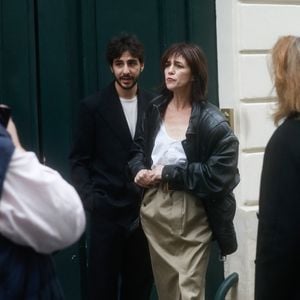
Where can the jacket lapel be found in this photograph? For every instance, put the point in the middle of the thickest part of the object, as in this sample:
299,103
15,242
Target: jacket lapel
112,112
141,107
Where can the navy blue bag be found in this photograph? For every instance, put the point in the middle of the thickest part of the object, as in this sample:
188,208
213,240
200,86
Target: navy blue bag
26,274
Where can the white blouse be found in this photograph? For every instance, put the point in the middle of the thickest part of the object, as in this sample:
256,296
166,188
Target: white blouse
166,150
38,208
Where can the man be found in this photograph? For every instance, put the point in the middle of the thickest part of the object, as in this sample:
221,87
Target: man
119,264
39,213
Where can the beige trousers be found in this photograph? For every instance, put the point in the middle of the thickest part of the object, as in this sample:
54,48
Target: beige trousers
179,236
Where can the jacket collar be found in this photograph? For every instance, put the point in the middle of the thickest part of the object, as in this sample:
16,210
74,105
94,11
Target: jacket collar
161,103
197,108
111,110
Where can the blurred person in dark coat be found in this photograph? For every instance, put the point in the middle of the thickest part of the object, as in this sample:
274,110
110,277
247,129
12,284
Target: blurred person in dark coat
278,241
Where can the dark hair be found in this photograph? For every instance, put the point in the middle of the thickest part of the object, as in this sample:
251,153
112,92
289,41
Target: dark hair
196,60
125,42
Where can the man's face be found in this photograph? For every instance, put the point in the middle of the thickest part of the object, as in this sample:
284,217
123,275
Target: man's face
126,70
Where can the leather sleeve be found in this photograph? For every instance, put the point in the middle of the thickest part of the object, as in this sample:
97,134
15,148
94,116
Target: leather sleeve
137,153
215,174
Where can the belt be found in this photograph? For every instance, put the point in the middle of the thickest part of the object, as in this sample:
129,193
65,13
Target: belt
165,187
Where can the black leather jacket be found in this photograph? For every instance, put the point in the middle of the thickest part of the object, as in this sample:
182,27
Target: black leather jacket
210,172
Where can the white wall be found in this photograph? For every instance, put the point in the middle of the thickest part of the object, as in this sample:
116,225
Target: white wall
246,30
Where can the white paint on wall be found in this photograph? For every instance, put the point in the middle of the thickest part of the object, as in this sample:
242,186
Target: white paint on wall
242,261
254,77
256,125
261,24
228,92
251,164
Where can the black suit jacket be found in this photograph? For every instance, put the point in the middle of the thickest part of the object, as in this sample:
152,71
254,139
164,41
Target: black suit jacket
278,237
100,154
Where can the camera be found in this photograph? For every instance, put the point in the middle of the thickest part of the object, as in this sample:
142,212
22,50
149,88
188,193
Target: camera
5,112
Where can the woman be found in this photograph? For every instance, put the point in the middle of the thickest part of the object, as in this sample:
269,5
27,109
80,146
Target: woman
186,159
278,241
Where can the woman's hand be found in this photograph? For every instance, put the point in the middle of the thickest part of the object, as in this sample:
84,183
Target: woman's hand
148,178
156,173
144,178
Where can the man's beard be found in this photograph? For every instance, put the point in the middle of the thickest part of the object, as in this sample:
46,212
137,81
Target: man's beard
127,87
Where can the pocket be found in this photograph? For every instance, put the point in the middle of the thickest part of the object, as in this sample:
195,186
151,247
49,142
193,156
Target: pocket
100,202
149,194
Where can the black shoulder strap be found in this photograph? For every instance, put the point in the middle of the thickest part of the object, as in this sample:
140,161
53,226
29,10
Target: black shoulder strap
6,151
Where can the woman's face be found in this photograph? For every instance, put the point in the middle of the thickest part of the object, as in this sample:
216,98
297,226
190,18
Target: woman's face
178,74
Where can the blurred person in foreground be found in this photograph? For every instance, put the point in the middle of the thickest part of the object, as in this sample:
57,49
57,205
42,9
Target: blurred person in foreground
278,240
40,213
186,159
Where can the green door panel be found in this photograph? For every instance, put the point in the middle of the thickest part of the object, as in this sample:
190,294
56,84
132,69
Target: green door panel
61,84
60,76
202,31
18,86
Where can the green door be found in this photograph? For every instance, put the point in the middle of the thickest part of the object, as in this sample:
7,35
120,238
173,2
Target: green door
52,54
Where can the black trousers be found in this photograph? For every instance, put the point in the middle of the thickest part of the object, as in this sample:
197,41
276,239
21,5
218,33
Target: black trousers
119,266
